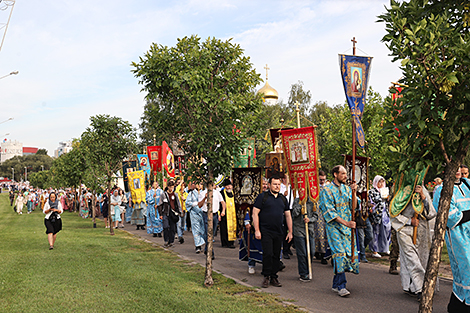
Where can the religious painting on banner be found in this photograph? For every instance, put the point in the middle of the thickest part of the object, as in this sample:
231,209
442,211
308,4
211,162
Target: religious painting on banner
404,192
154,154
275,134
168,160
128,166
247,152
247,185
144,165
355,73
137,186
275,164
300,149
361,173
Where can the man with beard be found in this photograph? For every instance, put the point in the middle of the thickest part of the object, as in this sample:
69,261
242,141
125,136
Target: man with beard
228,217
335,205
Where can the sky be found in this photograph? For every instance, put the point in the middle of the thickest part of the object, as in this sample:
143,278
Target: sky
74,57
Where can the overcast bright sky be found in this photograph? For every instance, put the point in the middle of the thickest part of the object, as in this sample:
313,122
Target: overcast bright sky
74,57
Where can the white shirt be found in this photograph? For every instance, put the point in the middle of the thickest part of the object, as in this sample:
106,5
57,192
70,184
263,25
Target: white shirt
216,199
47,207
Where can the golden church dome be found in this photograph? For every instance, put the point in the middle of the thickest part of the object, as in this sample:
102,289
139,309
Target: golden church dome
268,92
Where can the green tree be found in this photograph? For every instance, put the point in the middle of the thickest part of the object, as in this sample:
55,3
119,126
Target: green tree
40,179
431,38
33,163
203,89
104,144
41,152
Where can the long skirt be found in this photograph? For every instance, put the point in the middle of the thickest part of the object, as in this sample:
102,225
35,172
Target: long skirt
154,223
382,232
197,227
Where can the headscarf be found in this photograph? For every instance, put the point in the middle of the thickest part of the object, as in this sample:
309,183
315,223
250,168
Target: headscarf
55,204
376,182
115,198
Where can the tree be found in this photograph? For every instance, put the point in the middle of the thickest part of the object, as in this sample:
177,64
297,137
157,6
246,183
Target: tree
204,90
105,143
431,38
33,163
41,152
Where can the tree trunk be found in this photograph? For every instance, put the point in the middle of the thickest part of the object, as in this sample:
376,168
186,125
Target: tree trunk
93,206
432,269
110,219
208,281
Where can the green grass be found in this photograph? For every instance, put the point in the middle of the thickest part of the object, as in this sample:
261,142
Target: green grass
91,271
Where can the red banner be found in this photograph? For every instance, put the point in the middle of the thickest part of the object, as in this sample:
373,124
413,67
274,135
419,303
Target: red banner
301,153
155,156
168,160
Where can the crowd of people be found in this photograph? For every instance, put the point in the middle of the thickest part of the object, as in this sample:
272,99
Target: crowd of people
278,222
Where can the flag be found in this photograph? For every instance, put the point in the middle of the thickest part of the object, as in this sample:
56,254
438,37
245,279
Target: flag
355,74
154,154
137,186
405,192
180,165
247,185
144,164
275,135
275,164
127,166
300,150
168,160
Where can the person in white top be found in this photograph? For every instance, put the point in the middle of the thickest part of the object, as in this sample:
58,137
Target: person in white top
52,221
217,199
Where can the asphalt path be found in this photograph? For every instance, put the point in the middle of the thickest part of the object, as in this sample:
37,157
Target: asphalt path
373,290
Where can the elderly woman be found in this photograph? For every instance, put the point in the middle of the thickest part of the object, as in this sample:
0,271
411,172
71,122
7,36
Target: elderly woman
52,209
380,219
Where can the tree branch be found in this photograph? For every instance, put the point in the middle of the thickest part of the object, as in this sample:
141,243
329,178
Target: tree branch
441,145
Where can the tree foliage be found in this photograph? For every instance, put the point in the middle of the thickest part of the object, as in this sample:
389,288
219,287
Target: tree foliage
33,163
431,123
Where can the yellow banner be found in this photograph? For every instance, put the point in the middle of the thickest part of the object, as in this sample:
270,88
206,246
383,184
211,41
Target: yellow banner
137,186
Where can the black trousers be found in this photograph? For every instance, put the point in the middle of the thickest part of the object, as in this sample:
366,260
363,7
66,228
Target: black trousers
224,233
169,230
286,244
456,306
271,244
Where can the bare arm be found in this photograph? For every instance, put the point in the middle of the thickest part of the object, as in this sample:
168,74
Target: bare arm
289,225
256,222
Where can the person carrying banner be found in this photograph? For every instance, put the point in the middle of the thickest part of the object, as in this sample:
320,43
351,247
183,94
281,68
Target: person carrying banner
182,194
228,217
322,250
335,205
268,213
458,242
413,231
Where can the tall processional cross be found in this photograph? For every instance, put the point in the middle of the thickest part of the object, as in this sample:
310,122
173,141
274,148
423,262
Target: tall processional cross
354,45
266,68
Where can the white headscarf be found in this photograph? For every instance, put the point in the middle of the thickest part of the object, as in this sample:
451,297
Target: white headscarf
376,182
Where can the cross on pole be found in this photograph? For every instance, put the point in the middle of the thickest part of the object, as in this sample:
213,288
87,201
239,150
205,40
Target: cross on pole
266,68
354,45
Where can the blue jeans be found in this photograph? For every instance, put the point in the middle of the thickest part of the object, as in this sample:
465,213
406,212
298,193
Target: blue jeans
301,250
339,281
215,221
365,237
251,263
180,225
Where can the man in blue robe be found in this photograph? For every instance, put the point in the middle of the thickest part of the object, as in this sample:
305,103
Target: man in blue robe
154,223
335,205
458,242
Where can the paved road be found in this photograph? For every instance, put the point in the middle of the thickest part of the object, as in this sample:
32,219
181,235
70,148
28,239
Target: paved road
373,290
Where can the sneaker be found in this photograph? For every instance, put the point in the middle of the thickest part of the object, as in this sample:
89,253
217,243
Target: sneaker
334,289
181,240
251,270
275,282
343,292
393,271
198,250
265,283
107,226
376,255
304,279
364,260
122,225
166,244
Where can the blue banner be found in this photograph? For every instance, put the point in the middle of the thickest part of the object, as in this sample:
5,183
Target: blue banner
355,74
144,165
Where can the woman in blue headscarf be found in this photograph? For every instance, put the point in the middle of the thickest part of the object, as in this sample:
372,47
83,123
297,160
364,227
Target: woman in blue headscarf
53,222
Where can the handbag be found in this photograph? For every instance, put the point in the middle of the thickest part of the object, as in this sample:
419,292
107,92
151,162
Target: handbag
53,217
174,216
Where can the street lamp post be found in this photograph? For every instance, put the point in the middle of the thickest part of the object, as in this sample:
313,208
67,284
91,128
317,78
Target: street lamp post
6,120
42,166
12,73
25,174
13,170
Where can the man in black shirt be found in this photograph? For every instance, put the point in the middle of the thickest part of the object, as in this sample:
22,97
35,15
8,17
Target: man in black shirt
268,213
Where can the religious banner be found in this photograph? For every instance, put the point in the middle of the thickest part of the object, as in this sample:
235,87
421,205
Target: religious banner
180,165
168,160
275,134
247,152
144,165
154,154
361,174
276,164
127,166
247,185
137,186
405,192
301,153
355,74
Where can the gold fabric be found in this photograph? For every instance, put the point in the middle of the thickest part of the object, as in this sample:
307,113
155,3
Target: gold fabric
137,186
231,217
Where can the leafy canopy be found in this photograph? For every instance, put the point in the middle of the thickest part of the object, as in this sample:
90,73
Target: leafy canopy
199,93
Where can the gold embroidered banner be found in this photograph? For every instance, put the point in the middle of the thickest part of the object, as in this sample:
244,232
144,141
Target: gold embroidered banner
137,186
301,153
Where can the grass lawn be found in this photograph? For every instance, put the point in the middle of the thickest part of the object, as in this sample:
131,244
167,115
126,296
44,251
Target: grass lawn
91,271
